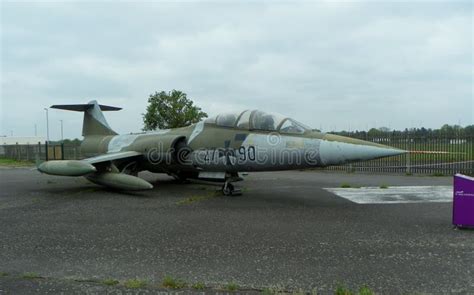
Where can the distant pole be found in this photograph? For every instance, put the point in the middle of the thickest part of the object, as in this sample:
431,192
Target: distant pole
36,130
62,137
47,125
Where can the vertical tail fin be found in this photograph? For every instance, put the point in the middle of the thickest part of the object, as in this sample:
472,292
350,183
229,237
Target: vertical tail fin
94,120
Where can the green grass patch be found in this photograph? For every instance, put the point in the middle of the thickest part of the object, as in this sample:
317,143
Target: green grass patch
408,174
342,290
348,185
267,291
199,198
437,174
231,286
110,282
383,186
31,275
198,286
135,283
15,163
364,290
3,274
173,283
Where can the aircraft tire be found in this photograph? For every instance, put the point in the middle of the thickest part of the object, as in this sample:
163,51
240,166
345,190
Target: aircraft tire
228,189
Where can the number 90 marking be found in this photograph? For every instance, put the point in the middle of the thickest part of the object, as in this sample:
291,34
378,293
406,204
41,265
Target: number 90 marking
247,153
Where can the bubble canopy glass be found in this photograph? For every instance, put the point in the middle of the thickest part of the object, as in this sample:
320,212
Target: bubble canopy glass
258,120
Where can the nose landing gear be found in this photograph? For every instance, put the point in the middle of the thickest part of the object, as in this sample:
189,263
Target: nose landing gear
228,189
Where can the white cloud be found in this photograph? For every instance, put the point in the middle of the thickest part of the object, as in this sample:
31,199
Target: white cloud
325,63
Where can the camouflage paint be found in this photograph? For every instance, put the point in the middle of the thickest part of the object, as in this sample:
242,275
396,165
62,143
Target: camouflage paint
213,148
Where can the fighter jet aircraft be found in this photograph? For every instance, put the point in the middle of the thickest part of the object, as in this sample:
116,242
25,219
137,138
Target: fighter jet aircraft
215,149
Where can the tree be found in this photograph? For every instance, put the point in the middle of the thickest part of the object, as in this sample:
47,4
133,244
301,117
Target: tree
469,130
373,132
170,110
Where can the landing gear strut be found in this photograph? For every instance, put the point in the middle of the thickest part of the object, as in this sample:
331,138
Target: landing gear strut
228,189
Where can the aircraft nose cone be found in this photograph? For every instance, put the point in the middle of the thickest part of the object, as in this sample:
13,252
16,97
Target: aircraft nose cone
338,150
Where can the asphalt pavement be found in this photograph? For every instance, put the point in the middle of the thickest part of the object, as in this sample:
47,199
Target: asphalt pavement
286,232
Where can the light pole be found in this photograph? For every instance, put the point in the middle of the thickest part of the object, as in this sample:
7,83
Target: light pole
62,137
47,125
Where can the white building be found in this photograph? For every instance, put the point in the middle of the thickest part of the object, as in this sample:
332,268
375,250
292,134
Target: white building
12,140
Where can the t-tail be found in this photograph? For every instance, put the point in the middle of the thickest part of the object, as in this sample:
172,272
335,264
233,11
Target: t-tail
94,120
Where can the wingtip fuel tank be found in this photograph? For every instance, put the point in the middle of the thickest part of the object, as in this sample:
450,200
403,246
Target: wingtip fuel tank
66,168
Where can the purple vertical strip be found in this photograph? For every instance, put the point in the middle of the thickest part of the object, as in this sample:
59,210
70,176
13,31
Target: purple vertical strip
463,201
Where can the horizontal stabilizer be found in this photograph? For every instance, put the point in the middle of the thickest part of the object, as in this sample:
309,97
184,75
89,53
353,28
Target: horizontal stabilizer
83,107
94,120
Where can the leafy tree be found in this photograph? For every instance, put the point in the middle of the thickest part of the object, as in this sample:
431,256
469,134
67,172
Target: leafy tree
373,132
171,110
469,130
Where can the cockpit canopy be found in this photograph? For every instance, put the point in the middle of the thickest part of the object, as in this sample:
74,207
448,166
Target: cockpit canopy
258,120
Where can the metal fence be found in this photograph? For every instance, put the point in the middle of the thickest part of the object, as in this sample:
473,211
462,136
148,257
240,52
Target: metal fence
41,151
72,152
23,152
428,155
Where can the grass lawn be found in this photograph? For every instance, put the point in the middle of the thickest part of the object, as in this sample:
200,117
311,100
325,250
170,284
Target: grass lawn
15,163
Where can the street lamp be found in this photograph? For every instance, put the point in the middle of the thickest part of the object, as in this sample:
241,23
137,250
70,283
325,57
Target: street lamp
62,137
47,125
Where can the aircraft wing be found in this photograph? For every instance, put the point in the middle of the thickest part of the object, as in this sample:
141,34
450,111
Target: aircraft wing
112,157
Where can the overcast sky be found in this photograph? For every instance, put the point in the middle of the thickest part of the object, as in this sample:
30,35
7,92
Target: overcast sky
335,65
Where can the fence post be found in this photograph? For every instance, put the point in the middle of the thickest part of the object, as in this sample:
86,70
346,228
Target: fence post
38,155
18,152
407,163
46,150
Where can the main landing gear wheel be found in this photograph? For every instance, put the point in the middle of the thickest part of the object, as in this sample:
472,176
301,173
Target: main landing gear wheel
228,189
